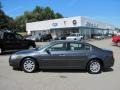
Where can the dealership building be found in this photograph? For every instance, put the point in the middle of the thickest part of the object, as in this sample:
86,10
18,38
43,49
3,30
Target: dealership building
84,25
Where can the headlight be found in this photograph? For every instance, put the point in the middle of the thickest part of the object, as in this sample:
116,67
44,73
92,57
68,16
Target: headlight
14,56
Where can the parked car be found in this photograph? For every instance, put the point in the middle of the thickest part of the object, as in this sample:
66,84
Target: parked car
63,54
116,40
99,36
13,41
34,37
75,36
62,37
46,37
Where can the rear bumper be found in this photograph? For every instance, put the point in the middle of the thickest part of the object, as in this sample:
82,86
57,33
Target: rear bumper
109,62
114,44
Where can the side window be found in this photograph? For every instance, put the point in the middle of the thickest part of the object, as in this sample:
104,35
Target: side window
17,36
58,47
87,47
78,46
8,36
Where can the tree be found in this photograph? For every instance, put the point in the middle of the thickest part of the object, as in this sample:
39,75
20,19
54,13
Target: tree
58,15
6,22
38,14
48,14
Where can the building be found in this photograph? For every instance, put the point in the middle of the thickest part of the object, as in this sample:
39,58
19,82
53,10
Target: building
84,25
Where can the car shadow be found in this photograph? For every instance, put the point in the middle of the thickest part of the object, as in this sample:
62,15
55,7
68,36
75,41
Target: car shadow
108,69
62,71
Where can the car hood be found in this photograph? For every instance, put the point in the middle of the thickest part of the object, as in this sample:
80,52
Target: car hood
29,40
71,37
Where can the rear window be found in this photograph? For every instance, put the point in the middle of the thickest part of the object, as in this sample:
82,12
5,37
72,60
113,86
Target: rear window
73,35
78,46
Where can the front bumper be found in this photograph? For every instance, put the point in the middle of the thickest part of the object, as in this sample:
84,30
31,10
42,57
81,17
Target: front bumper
15,63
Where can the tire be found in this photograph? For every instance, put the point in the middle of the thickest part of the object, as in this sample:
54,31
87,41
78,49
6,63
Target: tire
1,51
30,47
118,44
29,65
94,67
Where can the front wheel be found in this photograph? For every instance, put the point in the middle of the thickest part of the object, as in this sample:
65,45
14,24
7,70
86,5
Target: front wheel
29,65
1,51
94,67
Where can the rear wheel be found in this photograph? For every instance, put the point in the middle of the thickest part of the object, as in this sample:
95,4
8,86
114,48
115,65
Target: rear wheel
94,67
29,65
30,47
118,44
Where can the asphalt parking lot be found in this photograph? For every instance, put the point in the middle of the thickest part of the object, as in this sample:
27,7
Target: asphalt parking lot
62,79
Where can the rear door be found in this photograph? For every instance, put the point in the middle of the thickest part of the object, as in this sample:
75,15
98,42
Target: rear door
77,55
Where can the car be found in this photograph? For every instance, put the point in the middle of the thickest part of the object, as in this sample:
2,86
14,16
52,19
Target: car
75,36
63,54
46,37
116,40
11,41
35,37
98,36
62,37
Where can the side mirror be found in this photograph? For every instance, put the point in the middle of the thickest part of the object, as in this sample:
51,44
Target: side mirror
48,51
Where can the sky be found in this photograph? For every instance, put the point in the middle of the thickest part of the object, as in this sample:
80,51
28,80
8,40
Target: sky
102,10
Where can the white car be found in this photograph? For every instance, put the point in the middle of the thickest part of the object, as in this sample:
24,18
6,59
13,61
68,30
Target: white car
75,36
34,37
99,37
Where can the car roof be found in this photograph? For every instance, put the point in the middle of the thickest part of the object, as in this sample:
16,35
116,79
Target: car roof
67,41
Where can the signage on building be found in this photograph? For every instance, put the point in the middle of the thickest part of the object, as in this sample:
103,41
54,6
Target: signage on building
54,24
74,22
91,25
64,22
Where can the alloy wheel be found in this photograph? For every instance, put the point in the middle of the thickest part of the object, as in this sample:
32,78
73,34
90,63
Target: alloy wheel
29,65
94,67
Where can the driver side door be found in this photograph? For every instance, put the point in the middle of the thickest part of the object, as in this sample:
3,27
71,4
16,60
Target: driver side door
56,57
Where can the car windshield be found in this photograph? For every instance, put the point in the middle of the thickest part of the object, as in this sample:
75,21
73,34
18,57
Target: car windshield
43,46
73,35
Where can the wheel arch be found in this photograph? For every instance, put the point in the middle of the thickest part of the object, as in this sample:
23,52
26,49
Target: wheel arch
20,65
96,58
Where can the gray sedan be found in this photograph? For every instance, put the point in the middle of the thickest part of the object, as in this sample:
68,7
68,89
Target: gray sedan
63,55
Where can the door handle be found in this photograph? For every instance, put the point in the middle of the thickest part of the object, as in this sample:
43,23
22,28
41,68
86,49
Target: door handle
62,55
